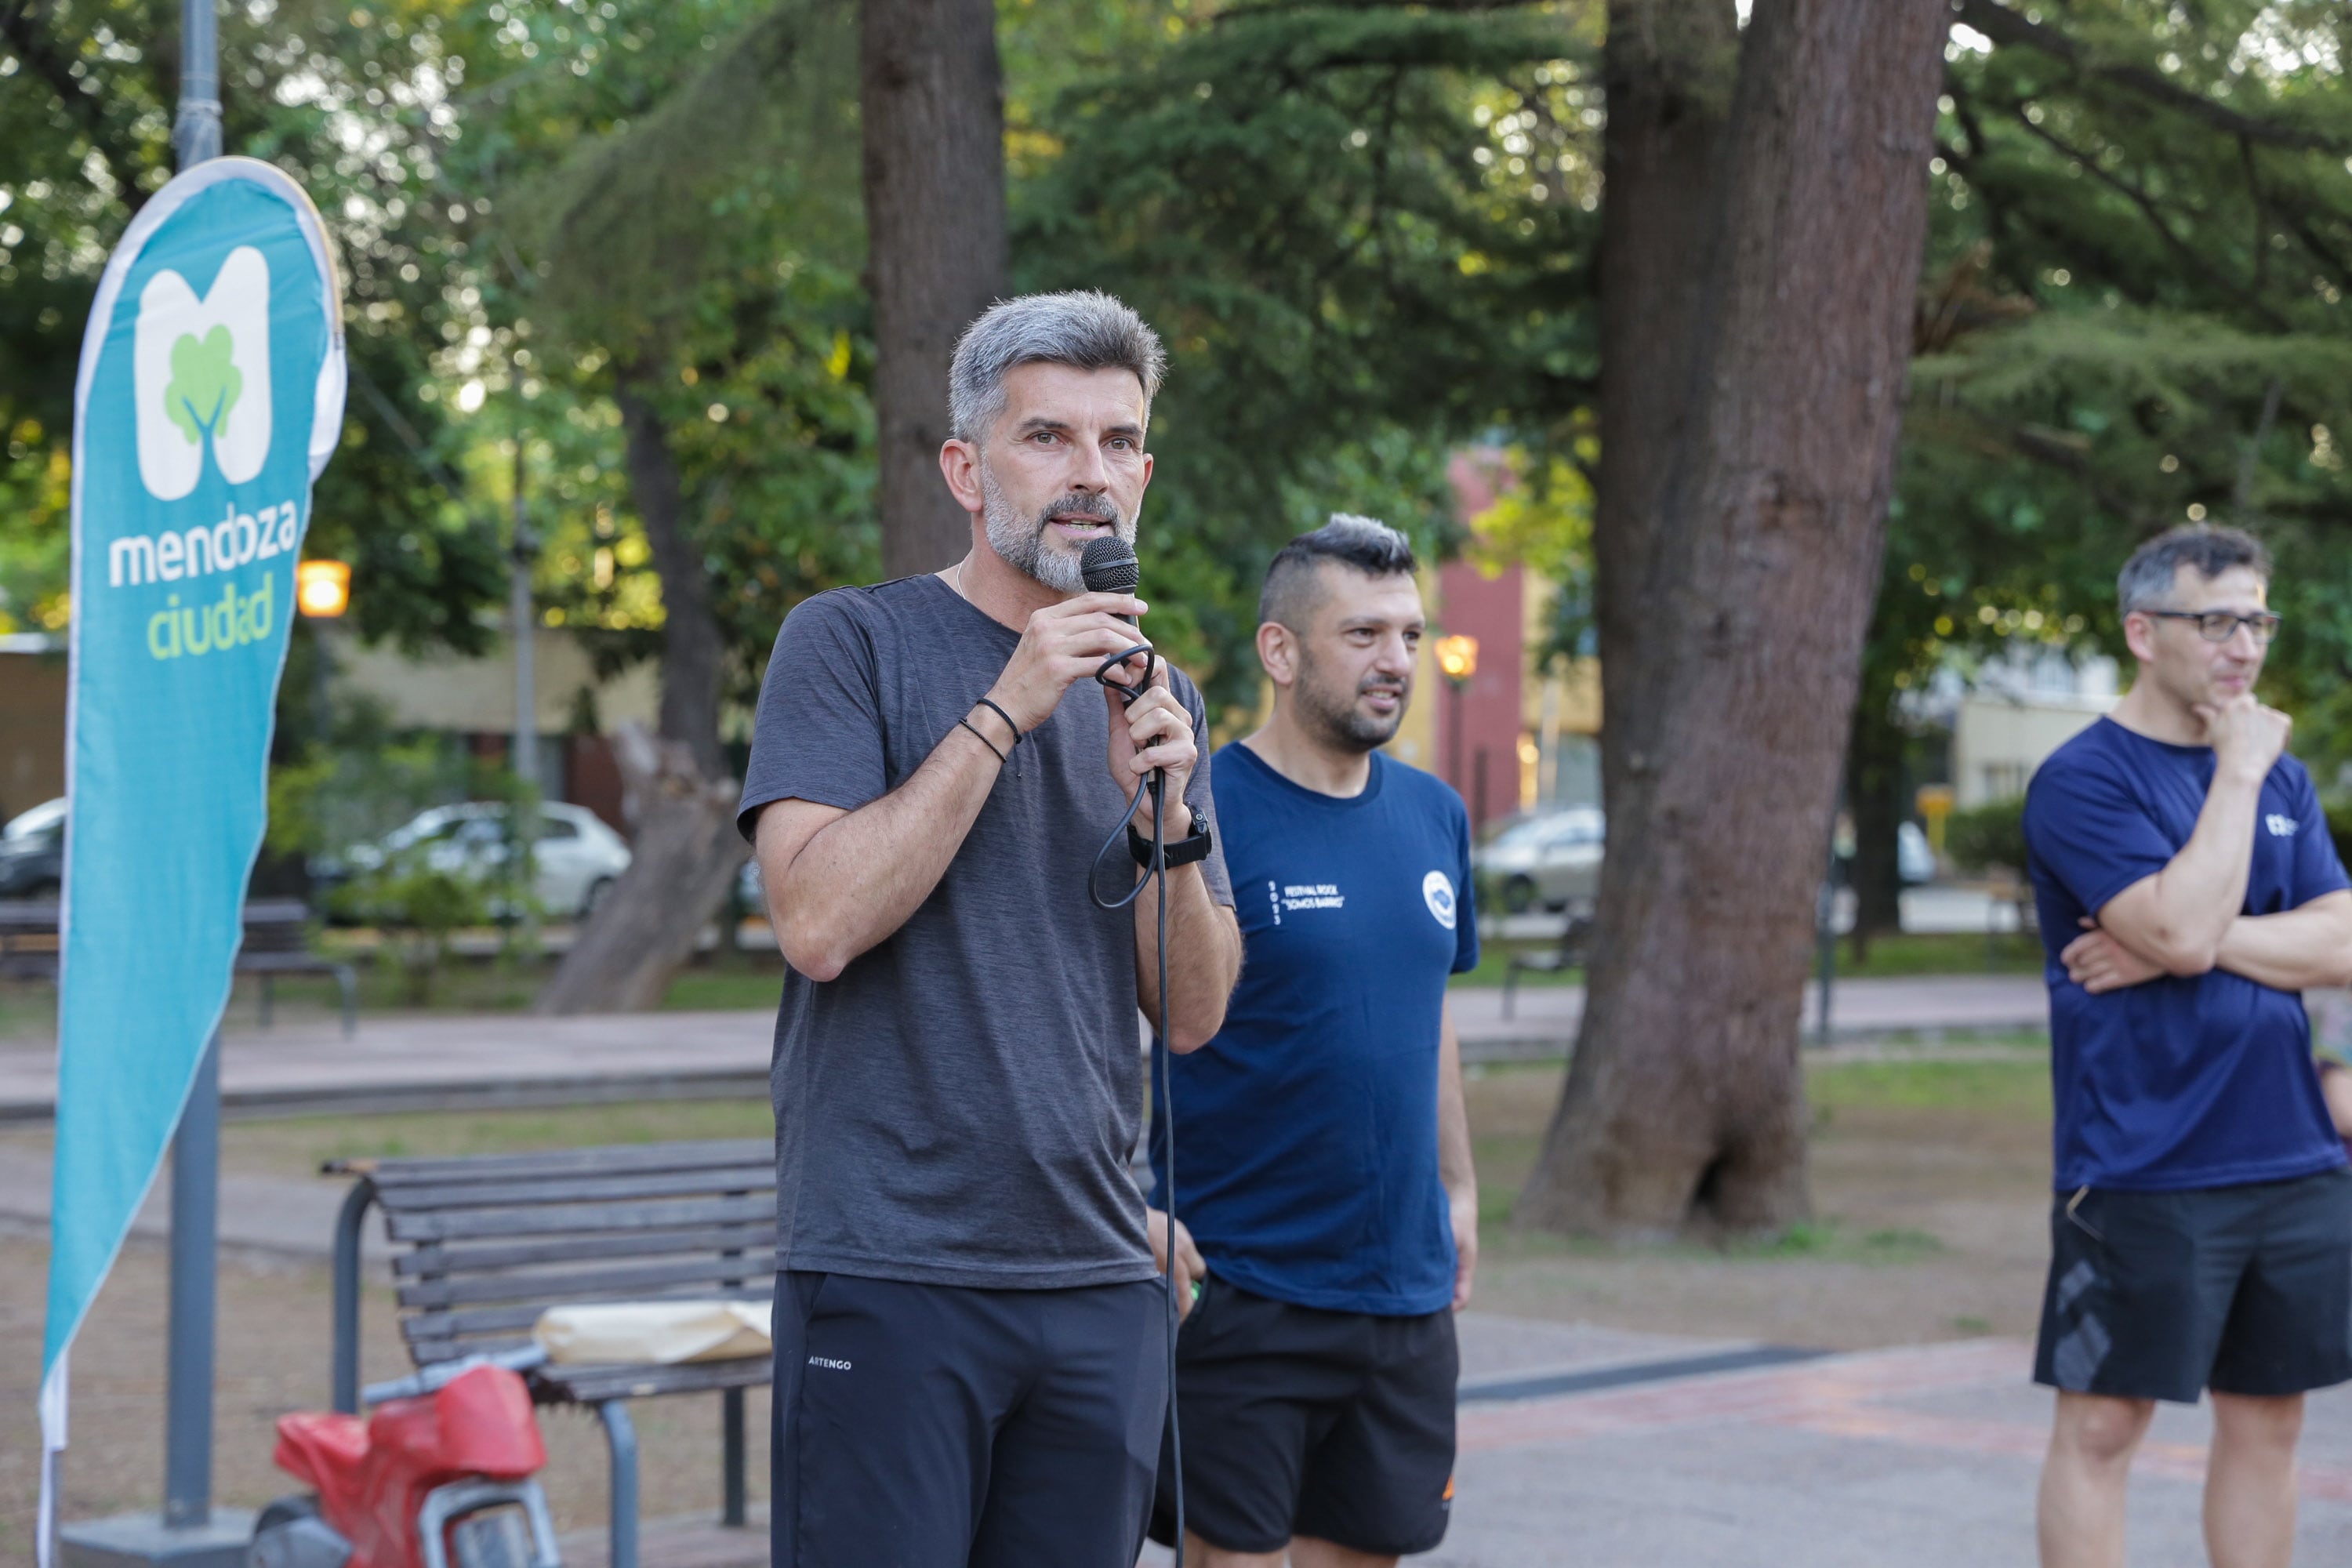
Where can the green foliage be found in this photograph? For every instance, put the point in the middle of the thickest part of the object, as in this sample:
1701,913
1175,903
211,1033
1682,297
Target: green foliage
1984,836
2140,239
1363,232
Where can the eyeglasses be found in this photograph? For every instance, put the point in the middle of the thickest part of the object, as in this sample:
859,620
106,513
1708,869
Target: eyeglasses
2221,625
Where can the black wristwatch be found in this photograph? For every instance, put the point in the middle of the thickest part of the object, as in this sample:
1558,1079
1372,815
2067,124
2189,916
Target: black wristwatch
1183,852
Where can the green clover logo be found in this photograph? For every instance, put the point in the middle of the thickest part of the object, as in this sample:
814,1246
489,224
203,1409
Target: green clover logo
205,383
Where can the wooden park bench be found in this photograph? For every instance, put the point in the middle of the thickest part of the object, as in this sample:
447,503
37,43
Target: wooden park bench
1573,951
277,941
482,1245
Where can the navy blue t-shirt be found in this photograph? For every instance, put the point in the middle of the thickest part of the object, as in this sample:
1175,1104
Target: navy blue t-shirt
1307,1129
2197,1081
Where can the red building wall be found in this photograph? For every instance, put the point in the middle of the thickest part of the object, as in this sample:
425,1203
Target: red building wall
1478,729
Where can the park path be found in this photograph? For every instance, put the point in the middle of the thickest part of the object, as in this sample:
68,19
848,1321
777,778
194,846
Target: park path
429,1061
1924,1455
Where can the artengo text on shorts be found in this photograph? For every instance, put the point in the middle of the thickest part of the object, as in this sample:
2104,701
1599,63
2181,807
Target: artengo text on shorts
237,540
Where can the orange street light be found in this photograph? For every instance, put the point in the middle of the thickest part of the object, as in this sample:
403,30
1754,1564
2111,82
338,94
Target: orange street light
1457,657
323,588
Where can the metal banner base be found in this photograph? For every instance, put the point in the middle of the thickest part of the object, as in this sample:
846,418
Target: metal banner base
143,1541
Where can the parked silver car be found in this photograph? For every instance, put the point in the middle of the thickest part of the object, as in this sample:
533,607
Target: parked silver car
577,857
1553,859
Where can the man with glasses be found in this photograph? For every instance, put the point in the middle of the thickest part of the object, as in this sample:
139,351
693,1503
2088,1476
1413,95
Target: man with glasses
2202,1232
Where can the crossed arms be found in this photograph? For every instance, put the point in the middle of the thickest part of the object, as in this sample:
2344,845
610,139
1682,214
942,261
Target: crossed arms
2184,920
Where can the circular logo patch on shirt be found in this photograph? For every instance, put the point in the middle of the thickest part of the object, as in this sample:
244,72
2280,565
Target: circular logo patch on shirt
1437,889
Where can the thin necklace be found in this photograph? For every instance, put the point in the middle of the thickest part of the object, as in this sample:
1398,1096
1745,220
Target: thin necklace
958,579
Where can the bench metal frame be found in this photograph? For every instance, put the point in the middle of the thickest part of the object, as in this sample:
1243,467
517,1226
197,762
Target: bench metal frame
703,1202
276,942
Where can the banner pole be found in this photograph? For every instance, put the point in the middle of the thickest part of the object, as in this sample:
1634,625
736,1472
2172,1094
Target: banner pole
195,1148
196,129
195,1231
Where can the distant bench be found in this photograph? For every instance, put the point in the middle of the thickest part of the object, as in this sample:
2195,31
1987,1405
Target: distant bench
1572,951
277,941
486,1244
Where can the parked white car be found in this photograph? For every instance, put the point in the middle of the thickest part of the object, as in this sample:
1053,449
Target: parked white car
1553,860
578,857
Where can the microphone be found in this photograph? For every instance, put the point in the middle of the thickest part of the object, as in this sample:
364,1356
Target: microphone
1107,566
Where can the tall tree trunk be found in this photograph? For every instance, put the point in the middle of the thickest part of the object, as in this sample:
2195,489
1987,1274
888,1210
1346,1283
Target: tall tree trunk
683,858
1874,793
932,102
691,648
681,799
1683,1107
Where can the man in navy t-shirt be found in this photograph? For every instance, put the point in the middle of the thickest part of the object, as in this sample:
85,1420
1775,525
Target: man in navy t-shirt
2201,1235
1322,1149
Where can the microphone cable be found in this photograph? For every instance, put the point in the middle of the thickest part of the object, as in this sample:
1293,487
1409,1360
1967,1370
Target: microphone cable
1155,875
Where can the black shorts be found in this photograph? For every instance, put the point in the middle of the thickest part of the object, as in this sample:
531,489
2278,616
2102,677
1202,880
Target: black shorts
2163,1295
1301,1422
940,1426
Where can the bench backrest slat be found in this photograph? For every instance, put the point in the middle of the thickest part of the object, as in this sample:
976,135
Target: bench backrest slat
512,1191
474,1224
448,1262
584,1284
393,1174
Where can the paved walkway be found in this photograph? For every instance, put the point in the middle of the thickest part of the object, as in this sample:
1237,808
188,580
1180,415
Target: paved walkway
1924,1455
412,1062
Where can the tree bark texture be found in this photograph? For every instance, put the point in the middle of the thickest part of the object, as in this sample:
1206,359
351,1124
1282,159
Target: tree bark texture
1749,547
687,852
692,651
931,102
685,849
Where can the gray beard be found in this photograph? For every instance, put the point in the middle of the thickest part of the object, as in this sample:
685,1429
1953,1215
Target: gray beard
1020,542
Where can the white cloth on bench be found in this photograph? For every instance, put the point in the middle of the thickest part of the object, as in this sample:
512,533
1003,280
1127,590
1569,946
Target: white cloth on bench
657,1332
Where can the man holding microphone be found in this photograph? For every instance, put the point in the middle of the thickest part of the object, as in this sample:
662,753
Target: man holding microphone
970,1350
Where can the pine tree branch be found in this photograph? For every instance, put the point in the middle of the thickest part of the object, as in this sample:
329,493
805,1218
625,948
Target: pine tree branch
20,25
2003,25
2187,253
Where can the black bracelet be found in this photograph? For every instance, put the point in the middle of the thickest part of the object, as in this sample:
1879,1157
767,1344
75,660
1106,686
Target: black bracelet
1000,713
1183,852
1000,757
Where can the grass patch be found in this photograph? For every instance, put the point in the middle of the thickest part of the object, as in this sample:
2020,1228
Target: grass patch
1495,957
1828,1240
720,990
1998,1087
297,1146
28,1009
1942,953
1952,1042
1892,957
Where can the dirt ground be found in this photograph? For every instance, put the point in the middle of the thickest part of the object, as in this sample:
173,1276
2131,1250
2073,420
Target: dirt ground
1930,1179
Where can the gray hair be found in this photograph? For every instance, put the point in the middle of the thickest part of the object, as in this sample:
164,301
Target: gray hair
1083,327
1365,543
2147,581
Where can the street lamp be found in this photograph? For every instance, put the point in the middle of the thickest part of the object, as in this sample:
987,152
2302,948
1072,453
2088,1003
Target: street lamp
323,588
323,592
1458,660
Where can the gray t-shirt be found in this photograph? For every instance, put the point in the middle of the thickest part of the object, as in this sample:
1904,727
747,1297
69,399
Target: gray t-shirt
957,1106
